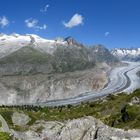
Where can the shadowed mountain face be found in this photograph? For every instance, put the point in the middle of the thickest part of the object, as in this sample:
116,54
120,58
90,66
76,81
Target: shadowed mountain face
28,60
102,54
43,70
24,61
68,58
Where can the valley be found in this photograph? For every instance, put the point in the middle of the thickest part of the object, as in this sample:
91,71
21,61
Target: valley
120,79
60,72
69,70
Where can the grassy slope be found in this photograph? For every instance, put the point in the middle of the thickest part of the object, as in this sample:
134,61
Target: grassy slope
5,136
107,110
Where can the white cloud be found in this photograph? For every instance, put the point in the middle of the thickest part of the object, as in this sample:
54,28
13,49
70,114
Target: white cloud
45,9
74,21
4,21
107,34
43,27
33,23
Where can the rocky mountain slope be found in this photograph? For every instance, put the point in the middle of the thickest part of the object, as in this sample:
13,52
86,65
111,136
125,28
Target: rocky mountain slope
33,69
127,54
32,54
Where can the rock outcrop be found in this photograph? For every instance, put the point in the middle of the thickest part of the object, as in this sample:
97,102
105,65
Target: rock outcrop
86,128
134,100
20,119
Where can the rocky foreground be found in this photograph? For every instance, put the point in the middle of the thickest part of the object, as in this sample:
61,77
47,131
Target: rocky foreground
114,118
86,128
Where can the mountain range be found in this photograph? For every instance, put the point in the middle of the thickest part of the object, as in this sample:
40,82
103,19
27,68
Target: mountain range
24,54
34,69
132,54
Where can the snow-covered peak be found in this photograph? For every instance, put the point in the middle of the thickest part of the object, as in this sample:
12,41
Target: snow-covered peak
127,54
13,38
122,52
13,42
38,38
15,34
18,37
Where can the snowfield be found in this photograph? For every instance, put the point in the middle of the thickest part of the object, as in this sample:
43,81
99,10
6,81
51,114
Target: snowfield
14,42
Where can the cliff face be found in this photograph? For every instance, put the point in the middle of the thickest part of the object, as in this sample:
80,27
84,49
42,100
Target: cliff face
86,128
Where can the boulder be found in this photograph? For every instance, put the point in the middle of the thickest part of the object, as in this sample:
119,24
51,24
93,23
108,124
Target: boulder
20,119
135,100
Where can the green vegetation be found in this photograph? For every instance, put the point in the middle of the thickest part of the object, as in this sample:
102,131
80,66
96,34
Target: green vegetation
39,130
114,110
5,136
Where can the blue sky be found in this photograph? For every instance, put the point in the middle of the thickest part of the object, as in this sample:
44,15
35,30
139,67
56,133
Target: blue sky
114,23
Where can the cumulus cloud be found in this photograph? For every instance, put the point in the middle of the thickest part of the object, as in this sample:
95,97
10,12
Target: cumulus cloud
3,21
75,20
33,23
45,9
107,34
